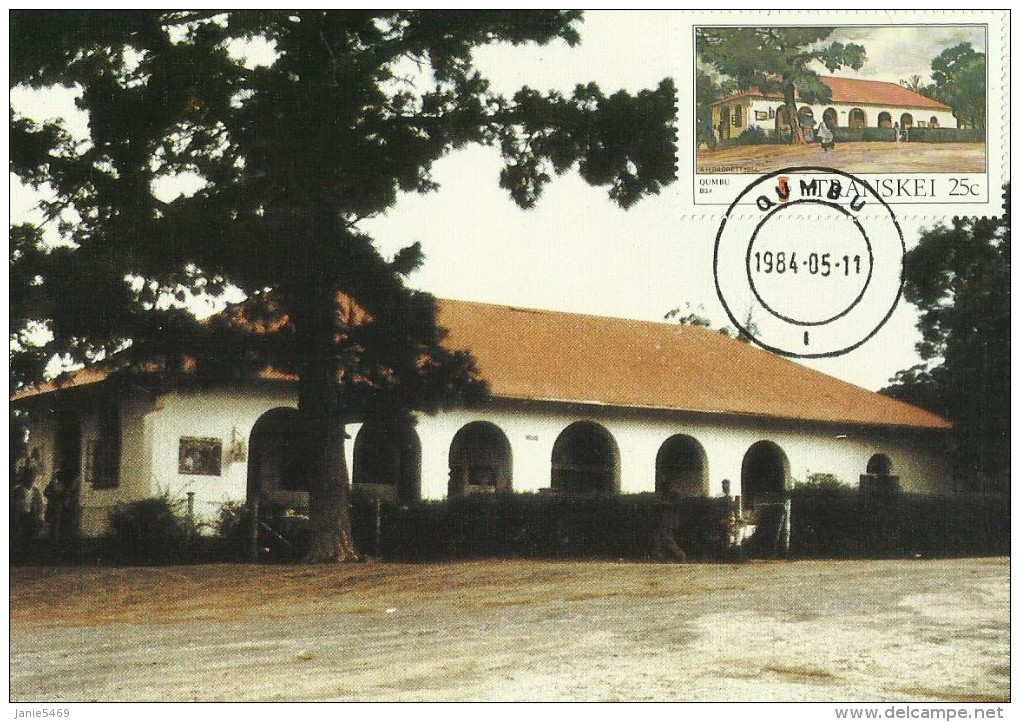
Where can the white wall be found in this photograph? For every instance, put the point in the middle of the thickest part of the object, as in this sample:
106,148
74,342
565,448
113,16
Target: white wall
220,414
945,117
152,430
136,428
808,449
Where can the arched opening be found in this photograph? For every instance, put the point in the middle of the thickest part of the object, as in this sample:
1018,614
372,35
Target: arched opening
884,120
681,467
480,460
857,118
831,117
880,464
906,121
278,459
585,459
933,122
387,460
806,117
724,123
782,118
764,473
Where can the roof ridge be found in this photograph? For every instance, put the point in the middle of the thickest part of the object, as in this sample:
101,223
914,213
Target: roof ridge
581,314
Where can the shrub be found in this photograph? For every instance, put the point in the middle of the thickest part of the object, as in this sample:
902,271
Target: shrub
147,531
822,482
753,135
233,531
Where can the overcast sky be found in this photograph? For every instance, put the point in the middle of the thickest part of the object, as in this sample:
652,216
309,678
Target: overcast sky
577,251
894,54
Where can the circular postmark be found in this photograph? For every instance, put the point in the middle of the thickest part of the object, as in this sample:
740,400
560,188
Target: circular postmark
808,262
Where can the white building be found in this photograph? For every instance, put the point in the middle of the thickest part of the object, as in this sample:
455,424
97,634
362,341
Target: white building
855,103
578,403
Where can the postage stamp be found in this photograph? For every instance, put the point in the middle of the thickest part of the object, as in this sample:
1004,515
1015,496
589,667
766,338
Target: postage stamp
913,105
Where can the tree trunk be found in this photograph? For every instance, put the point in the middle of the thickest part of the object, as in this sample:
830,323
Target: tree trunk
790,98
322,418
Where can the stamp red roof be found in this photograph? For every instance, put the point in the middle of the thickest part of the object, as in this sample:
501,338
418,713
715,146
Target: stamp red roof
859,91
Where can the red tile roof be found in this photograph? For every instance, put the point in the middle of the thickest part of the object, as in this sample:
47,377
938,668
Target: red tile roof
537,355
80,377
549,355
858,90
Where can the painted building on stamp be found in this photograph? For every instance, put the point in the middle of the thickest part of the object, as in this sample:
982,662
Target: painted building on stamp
855,103
579,404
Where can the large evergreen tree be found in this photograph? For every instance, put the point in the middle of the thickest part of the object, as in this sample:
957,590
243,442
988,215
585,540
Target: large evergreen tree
958,75
958,275
777,60
285,156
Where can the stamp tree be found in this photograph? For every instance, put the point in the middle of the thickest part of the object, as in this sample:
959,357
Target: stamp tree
777,60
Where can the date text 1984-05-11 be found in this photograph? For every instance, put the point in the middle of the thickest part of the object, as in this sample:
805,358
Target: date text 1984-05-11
816,264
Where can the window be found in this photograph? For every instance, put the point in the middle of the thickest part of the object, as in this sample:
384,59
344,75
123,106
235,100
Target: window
102,461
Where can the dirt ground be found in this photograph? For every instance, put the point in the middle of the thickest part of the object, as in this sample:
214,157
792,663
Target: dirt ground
890,630
850,157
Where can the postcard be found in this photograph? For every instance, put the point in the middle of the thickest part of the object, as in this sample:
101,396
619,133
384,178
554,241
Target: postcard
405,355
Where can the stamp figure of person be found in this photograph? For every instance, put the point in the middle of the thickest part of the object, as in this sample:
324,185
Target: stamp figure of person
826,136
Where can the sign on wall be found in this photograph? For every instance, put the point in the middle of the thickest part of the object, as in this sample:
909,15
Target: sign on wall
200,455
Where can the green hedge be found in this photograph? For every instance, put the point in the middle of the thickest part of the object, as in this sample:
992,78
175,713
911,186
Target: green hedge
945,135
756,136
914,135
826,523
848,135
542,525
830,523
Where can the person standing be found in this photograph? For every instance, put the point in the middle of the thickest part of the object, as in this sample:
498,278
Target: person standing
54,493
826,136
26,506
